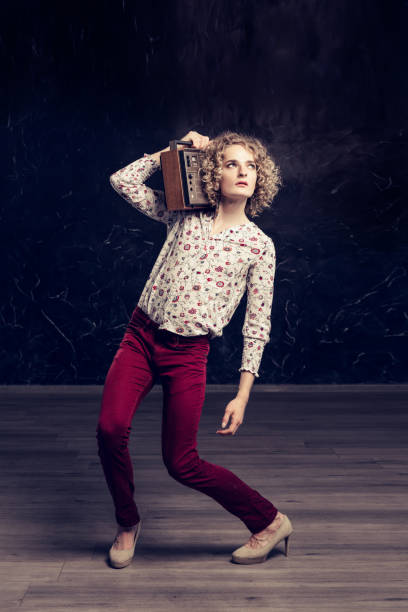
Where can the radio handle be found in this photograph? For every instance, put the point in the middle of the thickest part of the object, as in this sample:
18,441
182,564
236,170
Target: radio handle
174,143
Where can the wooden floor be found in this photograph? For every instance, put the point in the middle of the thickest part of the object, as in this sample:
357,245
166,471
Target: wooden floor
333,458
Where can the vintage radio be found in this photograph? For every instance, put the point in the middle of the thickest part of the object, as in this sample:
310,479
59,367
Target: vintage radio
181,177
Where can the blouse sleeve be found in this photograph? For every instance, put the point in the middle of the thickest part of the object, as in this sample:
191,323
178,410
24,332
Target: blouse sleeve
129,182
257,323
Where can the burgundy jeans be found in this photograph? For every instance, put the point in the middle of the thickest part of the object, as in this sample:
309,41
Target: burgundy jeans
180,362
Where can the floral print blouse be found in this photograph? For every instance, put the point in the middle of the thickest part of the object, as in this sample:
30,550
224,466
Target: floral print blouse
199,279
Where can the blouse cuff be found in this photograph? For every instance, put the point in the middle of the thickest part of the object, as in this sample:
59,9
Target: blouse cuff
248,369
155,164
252,355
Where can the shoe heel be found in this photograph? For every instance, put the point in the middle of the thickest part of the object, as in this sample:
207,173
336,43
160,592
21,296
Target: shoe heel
286,545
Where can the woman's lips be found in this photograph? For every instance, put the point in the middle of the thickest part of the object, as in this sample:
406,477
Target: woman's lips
241,184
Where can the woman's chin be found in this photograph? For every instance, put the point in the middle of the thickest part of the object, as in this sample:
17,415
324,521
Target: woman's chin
235,196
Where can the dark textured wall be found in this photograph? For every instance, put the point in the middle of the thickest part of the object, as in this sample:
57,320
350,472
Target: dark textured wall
89,87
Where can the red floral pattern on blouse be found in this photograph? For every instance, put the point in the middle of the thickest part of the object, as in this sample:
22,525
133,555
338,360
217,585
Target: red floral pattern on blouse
215,270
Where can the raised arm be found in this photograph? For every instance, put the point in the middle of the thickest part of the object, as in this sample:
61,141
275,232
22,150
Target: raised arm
257,323
129,182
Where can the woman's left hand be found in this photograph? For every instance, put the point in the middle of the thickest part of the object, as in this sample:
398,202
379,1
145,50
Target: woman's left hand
235,410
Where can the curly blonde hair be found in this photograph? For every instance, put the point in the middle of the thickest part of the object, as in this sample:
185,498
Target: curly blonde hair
268,180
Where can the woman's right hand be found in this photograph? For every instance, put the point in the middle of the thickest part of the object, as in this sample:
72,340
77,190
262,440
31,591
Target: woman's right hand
199,141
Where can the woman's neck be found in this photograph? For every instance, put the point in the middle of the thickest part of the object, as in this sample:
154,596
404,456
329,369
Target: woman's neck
231,213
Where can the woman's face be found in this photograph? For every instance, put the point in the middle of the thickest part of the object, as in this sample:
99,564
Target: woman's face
238,177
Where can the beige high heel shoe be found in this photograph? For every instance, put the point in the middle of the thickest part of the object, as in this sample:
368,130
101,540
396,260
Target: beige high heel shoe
258,547
122,558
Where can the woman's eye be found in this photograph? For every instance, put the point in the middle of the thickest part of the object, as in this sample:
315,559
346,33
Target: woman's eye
234,164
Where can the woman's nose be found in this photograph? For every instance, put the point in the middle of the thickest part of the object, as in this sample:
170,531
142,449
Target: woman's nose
242,170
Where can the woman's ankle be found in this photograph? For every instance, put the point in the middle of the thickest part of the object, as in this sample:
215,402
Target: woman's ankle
122,528
276,522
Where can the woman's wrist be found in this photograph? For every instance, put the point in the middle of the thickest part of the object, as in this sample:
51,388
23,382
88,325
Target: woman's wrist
243,396
245,386
156,156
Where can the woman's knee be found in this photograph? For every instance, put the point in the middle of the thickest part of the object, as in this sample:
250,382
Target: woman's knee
113,435
181,468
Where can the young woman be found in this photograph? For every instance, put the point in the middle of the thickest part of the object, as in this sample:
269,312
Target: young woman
208,261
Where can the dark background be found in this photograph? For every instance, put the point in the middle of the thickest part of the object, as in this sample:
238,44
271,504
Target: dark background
89,87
